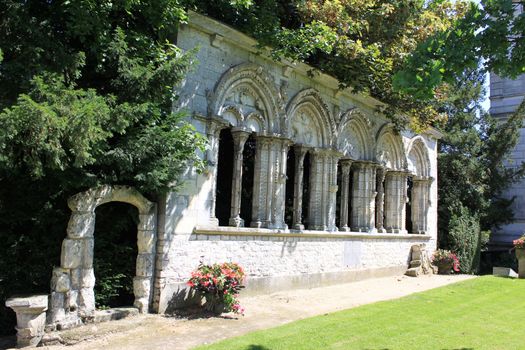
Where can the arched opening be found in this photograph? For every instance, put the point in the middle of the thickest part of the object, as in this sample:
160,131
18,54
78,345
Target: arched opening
248,168
290,187
115,254
224,177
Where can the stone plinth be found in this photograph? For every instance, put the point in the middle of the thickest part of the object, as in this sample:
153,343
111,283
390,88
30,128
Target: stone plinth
520,255
30,318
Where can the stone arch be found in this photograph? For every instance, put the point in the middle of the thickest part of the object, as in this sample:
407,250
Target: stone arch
72,284
245,91
418,159
389,149
309,120
353,137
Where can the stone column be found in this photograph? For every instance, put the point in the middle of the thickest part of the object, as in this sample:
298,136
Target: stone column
239,139
317,207
262,174
380,199
395,201
332,161
300,153
30,319
281,147
420,204
345,198
363,197
214,131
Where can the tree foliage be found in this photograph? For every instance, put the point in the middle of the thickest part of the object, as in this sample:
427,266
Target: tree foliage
474,168
86,95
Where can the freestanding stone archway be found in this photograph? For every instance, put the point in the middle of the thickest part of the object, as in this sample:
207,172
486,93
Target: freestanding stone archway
72,294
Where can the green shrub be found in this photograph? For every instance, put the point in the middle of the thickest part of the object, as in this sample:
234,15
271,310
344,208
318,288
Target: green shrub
466,238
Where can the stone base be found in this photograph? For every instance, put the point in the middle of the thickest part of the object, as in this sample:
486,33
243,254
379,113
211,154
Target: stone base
504,272
115,314
177,296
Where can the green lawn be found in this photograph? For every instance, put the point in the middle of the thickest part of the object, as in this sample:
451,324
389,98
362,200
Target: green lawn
483,313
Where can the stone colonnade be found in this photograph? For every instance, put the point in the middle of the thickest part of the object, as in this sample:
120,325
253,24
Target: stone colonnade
377,195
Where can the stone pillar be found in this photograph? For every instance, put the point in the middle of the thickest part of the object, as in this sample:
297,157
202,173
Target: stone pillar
262,174
380,199
239,139
332,161
420,204
280,147
395,201
30,319
345,198
363,197
143,281
214,131
72,284
300,153
318,182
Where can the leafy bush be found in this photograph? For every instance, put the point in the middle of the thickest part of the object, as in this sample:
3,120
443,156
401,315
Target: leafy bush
466,239
220,284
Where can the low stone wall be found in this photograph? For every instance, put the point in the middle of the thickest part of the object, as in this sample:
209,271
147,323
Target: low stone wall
276,261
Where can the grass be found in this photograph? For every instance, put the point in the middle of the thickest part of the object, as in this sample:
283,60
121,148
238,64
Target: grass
483,313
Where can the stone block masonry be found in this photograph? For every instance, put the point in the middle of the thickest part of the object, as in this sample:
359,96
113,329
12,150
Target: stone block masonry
342,211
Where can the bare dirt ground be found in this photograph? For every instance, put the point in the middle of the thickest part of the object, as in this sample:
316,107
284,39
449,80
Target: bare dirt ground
161,332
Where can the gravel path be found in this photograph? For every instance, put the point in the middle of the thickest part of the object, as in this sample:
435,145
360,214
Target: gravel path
161,332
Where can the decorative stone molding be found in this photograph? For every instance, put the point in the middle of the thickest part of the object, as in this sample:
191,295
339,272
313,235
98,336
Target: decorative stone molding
389,149
418,159
247,88
353,136
310,121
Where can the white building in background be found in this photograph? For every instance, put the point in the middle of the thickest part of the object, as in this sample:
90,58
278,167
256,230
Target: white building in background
505,97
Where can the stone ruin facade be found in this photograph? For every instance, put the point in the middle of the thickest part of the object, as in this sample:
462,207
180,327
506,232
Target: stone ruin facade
305,185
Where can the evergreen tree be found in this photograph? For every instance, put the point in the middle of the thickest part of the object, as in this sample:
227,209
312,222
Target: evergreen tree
473,168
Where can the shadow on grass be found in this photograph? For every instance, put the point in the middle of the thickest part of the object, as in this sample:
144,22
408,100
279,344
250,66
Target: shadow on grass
256,347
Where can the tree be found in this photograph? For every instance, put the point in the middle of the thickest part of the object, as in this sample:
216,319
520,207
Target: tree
490,35
473,168
86,94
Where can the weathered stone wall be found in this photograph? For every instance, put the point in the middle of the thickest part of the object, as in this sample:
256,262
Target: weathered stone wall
340,122
505,97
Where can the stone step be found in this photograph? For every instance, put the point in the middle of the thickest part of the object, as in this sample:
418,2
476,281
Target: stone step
504,272
114,314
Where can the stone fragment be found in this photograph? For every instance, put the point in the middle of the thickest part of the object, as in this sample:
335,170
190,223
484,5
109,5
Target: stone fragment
81,225
146,241
144,265
88,251
72,250
141,286
30,318
147,222
86,302
420,261
76,276
60,281
87,278
504,272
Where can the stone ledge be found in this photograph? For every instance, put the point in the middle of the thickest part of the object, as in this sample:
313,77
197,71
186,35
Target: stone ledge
264,232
